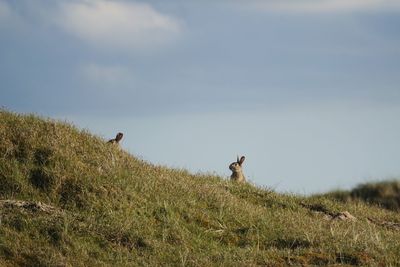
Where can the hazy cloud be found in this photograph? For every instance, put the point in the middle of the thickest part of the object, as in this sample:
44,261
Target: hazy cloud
5,11
106,76
322,6
118,24
8,17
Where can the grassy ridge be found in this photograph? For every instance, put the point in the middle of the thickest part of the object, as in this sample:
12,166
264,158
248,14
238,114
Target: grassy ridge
107,207
385,194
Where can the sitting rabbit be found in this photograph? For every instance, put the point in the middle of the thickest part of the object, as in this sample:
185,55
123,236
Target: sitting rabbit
116,139
236,168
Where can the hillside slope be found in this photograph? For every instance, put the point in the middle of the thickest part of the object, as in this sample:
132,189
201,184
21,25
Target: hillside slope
67,198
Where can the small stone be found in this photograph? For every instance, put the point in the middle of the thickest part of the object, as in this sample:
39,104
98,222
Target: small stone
344,216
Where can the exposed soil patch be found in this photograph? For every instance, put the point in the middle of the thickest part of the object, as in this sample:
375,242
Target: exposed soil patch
390,225
28,206
329,215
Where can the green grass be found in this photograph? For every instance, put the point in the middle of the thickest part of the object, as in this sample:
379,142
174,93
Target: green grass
109,208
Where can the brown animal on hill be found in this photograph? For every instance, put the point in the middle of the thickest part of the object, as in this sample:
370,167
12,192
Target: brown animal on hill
116,139
236,168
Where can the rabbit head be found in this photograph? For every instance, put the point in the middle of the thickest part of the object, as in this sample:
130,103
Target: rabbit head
119,137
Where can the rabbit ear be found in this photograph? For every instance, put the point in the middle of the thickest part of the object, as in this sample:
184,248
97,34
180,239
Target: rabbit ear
237,160
241,160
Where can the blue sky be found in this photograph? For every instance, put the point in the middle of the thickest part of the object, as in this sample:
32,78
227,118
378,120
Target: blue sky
307,90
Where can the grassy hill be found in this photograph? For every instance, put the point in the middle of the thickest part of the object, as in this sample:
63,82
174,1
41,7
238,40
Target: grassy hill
68,198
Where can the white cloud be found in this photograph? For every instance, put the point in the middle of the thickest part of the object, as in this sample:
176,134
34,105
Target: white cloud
322,6
118,24
107,76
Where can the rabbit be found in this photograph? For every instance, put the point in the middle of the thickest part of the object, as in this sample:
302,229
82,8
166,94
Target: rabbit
236,168
116,139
